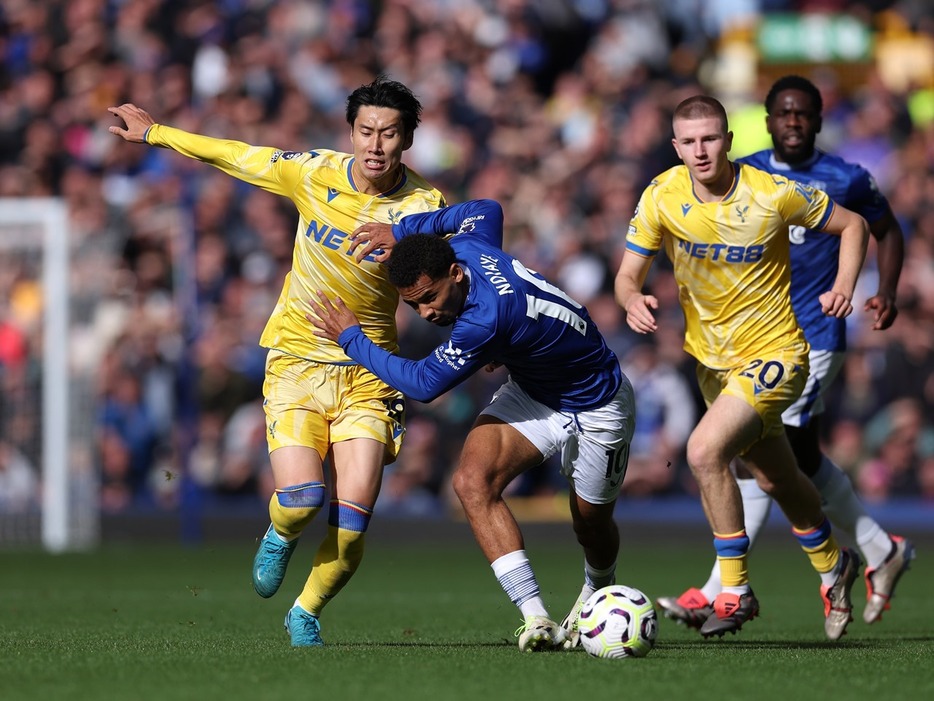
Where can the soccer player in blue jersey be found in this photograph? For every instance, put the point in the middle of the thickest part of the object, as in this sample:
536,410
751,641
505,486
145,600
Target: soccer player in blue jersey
794,107
318,402
565,392
724,227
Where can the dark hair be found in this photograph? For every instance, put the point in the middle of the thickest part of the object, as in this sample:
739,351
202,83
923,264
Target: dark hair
700,106
420,254
383,92
794,82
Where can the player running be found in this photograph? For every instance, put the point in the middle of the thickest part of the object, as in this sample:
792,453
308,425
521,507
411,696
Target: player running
565,393
794,107
723,227
318,402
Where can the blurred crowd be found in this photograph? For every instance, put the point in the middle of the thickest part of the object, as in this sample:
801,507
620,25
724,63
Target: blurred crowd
559,109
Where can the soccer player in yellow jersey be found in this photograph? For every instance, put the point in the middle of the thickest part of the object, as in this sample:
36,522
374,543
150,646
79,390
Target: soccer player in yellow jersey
725,228
318,402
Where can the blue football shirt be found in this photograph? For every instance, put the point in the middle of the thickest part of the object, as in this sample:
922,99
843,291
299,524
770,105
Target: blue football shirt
815,254
511,315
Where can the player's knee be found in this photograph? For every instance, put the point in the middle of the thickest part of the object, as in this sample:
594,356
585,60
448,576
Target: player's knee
464,482
473,485
702,457
460,482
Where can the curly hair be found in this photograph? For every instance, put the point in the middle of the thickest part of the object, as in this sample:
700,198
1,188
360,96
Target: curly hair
419,254
383,92
794,82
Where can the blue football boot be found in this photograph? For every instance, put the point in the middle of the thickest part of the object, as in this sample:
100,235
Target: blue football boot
270,563
303,627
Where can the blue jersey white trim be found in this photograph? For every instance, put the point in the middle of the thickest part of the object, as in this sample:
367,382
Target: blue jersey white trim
815,254
512,316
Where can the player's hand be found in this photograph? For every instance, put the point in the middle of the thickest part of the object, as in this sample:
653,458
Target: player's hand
885,311
330,319
370,237
137,122
639,313
835,304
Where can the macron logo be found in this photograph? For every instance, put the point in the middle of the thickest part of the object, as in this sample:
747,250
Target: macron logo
332,193
685,208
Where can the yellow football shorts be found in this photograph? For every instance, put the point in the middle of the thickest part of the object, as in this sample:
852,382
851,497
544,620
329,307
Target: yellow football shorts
769,385
317,404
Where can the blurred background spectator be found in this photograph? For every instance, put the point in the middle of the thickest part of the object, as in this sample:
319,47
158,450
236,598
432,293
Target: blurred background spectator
559,109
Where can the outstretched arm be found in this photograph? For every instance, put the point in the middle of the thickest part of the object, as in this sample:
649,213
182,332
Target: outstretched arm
263,166
137,122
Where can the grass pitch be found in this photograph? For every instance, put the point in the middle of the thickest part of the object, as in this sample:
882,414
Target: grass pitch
425,619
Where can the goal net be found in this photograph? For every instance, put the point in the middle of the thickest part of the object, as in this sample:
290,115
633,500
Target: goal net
48,483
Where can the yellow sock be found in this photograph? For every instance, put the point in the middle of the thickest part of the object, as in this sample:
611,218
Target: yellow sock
288,518
825,556
733,571
337,559
732,551
820,545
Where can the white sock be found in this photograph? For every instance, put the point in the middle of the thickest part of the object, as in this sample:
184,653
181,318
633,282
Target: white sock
284,538
517,579
586,592
828,579
847,513
597,579
298,605
756,507
712,587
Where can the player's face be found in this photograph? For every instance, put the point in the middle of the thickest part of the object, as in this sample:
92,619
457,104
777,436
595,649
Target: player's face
379,138
793,124
437,301
704,145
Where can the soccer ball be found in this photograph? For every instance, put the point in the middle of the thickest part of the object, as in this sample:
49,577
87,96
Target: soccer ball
618,621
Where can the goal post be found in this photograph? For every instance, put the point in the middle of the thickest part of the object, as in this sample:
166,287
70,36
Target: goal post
35,247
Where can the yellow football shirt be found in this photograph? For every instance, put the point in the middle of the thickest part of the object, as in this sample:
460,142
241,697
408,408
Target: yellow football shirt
731,258
320,183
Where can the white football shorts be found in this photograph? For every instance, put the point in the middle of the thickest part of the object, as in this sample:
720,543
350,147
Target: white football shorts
594,444
825,366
